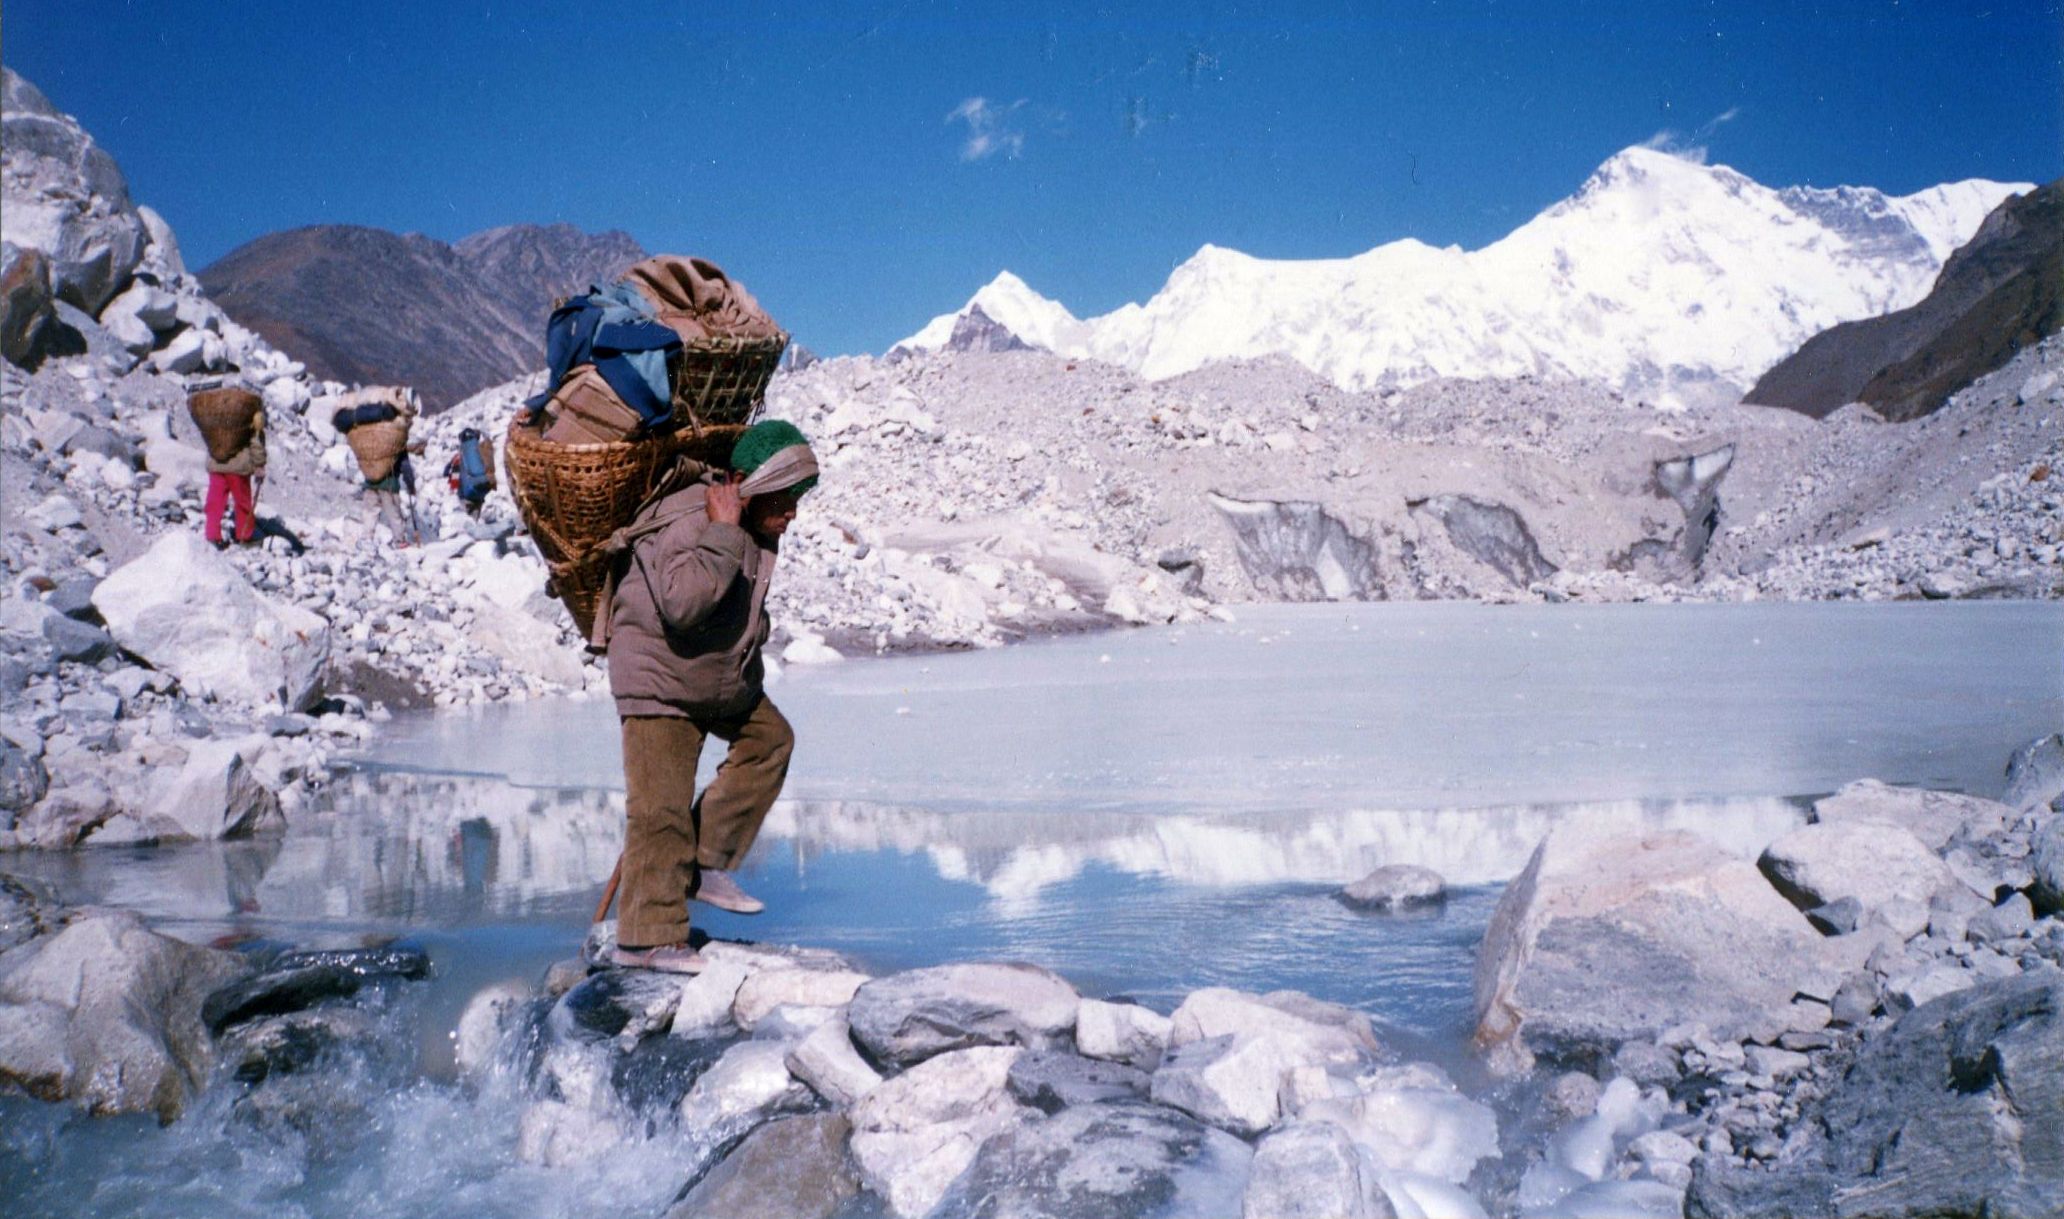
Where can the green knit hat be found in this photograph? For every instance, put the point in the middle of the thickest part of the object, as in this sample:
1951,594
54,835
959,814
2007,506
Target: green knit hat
764,439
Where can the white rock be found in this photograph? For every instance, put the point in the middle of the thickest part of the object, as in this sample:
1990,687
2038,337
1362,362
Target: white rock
828,1062
187,352
706,998
66,197
809,648
1874,862
188,611
55,512
1774,1062
1121,1032
1663,1147
1909,991
1308,1029
524,643
1312,1172
286,394
1231,1081
217,794
749,1082
126,1001
916,1132
769,989
1676,905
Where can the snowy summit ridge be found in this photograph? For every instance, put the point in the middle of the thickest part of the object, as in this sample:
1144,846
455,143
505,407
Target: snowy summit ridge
1661,277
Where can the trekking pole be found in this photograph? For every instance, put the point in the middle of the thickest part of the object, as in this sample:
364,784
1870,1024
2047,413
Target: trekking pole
609,891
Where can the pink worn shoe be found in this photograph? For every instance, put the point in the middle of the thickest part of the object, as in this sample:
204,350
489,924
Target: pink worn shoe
666,958
714,887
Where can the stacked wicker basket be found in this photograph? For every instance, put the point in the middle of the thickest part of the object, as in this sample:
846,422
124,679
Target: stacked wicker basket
574,496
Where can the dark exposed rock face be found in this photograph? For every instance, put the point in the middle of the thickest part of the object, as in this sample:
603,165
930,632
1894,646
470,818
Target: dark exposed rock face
1494,535
977,331
2003,291
365,305
1958,1110
298,980
1296,551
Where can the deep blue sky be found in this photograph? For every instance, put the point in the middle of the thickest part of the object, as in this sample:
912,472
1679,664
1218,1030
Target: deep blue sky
836,159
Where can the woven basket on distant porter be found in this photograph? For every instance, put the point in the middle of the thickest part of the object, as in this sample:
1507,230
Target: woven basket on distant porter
378,447
227,417
722,380
574,496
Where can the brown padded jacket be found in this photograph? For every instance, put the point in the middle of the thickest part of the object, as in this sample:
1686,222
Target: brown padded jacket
688,618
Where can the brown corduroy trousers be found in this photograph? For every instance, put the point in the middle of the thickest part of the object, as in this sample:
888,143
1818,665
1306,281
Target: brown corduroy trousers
670,832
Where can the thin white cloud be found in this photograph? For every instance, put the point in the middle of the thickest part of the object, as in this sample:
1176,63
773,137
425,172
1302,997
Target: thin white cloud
1692,148
991,129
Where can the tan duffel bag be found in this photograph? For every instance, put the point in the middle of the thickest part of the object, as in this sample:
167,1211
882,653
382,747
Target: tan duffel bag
584,410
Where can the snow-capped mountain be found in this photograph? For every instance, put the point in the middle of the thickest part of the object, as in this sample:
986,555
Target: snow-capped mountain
1666,278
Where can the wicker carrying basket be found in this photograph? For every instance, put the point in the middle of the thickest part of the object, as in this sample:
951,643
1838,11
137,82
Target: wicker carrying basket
574,496
227,417
378,447
721,381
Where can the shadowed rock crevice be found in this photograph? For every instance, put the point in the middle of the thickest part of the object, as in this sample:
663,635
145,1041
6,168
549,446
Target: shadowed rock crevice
1693,482
1492,534
1297,551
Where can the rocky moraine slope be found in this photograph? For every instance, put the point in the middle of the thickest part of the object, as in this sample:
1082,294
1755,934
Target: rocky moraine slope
971,497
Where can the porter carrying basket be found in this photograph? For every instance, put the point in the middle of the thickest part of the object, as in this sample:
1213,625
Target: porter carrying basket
228,419
378,446
573,497
729,345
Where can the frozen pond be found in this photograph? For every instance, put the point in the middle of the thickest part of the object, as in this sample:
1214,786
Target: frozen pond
1146,812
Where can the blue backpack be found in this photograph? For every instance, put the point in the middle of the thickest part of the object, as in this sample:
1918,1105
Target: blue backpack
473,476
613,329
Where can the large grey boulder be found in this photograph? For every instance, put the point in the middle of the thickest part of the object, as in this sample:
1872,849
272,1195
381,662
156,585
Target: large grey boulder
2035,774
107,1012
910,1016
747,1086
1233,1081
1124,1160
1933,817
1395,887
828,1063
767,991
1874,862
216,795
1307,1029
63,195
1958,1109
1314,1172
1602,940
1052,1080
795,1168
188,611
1121,1032
919,1130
